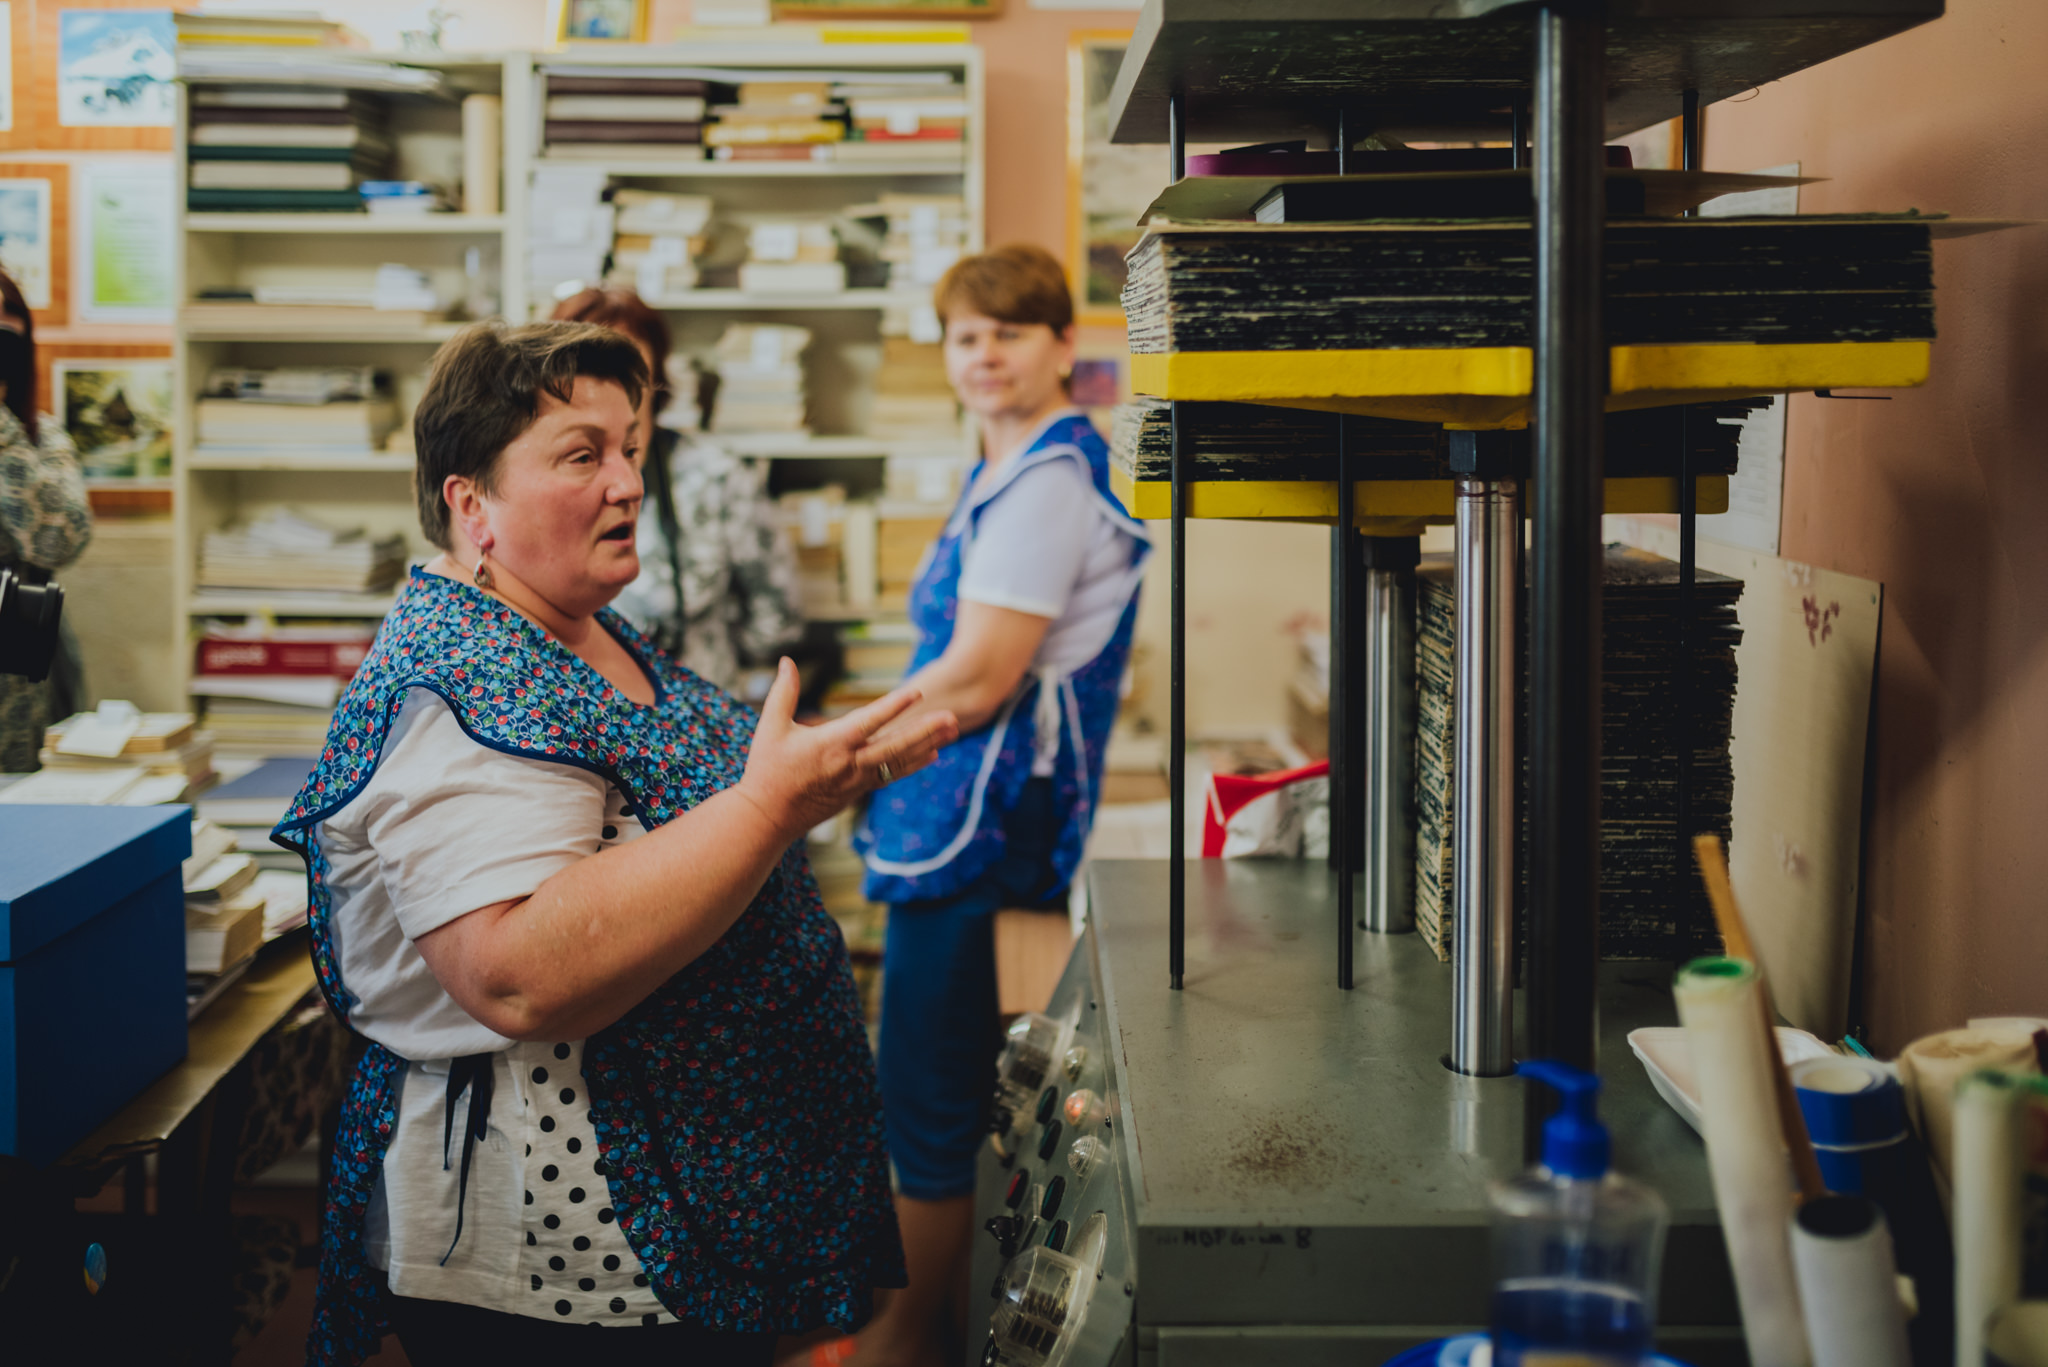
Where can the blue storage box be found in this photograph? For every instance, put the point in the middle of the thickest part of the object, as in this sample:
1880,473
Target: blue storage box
92,966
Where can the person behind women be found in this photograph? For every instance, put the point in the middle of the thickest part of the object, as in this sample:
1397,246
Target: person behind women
1024,609
617,1073
45,520
705,528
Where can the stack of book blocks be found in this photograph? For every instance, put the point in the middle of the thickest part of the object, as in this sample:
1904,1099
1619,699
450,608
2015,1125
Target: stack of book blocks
266,148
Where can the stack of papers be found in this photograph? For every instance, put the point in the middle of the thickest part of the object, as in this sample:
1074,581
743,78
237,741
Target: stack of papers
571,231
163,745
289,551
760,379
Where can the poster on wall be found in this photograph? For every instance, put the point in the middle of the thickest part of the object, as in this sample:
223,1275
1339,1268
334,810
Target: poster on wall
118,414
124,255
115,68
6,67
1108,184
26,239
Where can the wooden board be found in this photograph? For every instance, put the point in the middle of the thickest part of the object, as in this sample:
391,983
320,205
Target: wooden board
1802,715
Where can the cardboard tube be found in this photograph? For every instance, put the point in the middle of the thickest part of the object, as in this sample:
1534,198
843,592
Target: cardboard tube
1848,1284
1717,1001
1988,1214
483,152
1932,1066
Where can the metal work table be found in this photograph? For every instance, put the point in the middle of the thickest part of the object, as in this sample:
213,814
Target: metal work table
1276,70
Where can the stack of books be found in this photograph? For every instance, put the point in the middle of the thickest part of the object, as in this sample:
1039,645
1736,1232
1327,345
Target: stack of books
599,111
166,747
1652,905
295,410
834,537
290,552
249,806
899,121
913,398
793,256
264,148
922,236
248,726
659,239
223,906
874,657
760,378
567,246
778,121
903,533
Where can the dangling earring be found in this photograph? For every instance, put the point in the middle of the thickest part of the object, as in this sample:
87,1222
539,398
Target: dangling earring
482,573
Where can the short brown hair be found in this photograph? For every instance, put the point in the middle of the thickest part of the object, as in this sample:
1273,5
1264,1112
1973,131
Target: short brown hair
484,390
625,311
1013,283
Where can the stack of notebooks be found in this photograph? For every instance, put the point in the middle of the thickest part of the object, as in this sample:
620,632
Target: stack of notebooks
760,378
792,256
269,148
660,238
922,236
899,121
295,410
778,121
1363,286
287,551
166,747
1652,905
598,111
913,398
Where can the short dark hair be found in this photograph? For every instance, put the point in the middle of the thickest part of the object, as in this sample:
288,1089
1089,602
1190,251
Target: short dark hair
1013,283
624,311
484,390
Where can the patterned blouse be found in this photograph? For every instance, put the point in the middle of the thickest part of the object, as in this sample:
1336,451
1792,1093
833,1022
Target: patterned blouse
739,572
45,520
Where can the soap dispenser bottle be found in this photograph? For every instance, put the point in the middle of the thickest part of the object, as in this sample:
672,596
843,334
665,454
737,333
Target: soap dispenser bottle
1576,1246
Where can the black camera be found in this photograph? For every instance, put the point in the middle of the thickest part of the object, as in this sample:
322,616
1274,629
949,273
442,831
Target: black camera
28,626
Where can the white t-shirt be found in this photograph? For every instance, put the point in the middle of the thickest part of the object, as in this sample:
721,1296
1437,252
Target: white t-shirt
1045,547
446,826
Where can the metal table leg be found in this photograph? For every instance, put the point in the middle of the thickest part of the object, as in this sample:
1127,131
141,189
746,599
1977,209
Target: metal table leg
1177,702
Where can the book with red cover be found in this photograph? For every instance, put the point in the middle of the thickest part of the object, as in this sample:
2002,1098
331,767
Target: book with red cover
337,658
921,135
575,130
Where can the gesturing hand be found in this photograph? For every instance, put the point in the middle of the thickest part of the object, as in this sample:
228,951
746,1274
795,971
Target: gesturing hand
800,775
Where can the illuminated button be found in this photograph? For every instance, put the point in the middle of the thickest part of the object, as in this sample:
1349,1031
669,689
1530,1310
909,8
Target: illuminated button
1075,1061
1048,1101
1056,1237
1083,1108
1087,1153
1014,1197
1054,1191
1049,1142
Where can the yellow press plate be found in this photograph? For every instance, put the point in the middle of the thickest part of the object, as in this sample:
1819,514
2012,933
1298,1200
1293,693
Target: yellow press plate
1380,502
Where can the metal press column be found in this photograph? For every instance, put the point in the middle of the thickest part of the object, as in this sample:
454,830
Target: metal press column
1389,669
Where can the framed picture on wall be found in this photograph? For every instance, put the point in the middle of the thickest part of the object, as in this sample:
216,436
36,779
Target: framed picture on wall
124,257
888,9
35,236
106,74
17,110
117,411
1108,184
603,21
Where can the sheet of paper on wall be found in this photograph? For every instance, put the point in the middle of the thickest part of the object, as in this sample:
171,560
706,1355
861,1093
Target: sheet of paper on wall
1756,490
124,255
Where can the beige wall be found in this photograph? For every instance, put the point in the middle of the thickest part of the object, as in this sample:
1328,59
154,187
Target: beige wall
1941,495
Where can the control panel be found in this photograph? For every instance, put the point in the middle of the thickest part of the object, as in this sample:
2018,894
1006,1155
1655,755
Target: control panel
1053,1247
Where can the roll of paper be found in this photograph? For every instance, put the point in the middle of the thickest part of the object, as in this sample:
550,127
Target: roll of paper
1931,1067
483,152
1987,1206
1848,1284
2018,1336
1717,1001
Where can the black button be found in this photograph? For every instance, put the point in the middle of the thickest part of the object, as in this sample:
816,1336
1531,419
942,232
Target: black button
1048,1102
1014,1196
995,1292
1004,1229
1054,1190
1056,1237
1049,1142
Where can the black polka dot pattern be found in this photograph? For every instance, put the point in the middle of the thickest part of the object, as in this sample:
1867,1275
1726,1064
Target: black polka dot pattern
576,1259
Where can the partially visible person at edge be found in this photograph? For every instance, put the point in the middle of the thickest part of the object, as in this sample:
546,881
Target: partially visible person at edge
704,526
616,1071
1024,610
45,521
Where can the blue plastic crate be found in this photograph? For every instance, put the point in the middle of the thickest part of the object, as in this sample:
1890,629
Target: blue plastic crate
92,966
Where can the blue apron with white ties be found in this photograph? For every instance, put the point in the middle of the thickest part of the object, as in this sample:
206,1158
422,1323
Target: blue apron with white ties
934,832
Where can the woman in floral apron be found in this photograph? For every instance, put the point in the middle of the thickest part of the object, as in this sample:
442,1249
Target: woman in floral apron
1024,609
617,1074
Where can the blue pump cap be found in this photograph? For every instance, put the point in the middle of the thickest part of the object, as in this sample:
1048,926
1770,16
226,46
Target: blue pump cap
1574,1141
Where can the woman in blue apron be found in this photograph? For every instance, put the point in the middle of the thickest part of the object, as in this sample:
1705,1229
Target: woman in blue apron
1024,608
616,1072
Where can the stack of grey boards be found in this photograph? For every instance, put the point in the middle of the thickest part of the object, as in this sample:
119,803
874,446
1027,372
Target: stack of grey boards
1243,441
1470,284
1652,905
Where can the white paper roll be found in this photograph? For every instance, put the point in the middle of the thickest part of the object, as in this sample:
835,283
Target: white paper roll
483,153
1717,1001
1930,1068
1987,1207
1848,1284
